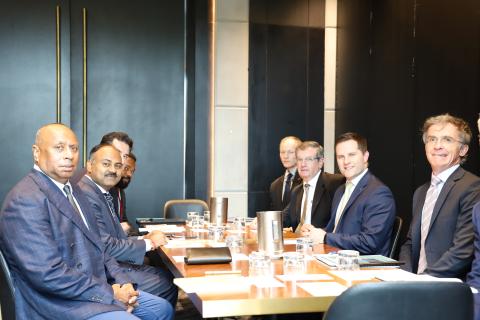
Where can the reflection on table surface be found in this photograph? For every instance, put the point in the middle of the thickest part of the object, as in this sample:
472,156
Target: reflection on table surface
219,290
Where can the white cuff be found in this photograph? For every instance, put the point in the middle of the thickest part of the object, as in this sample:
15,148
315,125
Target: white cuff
148,245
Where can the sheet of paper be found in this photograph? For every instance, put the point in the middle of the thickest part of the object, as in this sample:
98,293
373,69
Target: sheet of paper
265,282
289,241
355,275
239,256
402,275
165,228
214,284
322,289
305,277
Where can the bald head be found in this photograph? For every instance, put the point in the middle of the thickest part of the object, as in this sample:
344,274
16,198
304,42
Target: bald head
56,151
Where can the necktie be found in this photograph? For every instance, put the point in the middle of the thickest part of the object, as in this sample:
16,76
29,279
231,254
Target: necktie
287,190
109,199
430,200
68,192
304,209
343,202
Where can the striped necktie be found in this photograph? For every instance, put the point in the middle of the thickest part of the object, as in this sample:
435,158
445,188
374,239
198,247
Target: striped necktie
343,202
430,200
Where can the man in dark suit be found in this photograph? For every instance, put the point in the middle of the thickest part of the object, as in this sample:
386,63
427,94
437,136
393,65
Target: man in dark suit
311,201
104,170
280,189
363,209
129,167
51,243
440,238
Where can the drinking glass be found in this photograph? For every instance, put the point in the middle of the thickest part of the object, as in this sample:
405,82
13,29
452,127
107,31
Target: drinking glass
260,265
304,246
348,260
294,263
216,233
190,216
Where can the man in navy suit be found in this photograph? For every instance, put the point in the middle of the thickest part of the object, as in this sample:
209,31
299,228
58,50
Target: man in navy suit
280,189
52,245
440,239
363,209
104,170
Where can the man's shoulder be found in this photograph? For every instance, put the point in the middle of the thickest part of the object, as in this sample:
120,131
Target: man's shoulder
464,176
276,182
332,178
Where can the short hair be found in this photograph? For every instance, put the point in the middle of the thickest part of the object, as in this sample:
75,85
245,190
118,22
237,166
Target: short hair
312,144
460,124
131,155
98,147
295,139
361,140
120,136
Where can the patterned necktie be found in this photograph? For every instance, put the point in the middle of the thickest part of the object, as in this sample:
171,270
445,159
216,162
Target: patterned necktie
306,186
68,192
109,199
287,190
430,200
343,202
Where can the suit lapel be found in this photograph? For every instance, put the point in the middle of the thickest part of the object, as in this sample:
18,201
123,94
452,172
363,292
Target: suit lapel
60,201
319,191
449,184
362,184
417,217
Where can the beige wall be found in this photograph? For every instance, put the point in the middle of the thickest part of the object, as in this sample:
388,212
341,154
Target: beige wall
230,167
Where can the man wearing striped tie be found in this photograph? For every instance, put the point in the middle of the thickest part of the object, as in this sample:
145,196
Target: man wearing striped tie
440,238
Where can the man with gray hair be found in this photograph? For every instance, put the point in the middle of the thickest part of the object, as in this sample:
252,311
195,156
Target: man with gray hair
440,238
311,201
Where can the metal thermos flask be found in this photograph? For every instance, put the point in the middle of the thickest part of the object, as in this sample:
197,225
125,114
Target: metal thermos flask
218,210
270,232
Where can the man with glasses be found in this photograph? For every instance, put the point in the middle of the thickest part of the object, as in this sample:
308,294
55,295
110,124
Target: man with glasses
363,209
311,201
280,189
440,238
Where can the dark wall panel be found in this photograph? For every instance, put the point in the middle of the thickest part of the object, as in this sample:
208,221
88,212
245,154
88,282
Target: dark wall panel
399,62
285,85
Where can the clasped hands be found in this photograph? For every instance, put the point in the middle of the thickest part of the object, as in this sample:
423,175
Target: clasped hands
126,294
316,234
157,238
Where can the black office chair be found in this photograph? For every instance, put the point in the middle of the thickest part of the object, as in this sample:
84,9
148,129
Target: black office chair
403,301
179,208
397,228
7,291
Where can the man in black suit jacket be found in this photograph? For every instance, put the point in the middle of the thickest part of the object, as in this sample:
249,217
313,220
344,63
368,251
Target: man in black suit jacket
280,189
440,238
321,188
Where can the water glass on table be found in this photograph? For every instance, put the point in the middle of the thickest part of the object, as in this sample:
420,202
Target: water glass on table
294,263
304,246
216,233
260,265
206,218
347,260
190,217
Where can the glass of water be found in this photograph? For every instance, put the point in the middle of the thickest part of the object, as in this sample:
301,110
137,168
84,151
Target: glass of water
348,260
190,217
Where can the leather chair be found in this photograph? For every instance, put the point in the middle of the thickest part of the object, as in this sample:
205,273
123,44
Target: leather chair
397,228
7,291
403,301
179,208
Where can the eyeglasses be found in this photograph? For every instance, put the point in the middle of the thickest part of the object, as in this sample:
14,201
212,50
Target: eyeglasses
444,141
307,160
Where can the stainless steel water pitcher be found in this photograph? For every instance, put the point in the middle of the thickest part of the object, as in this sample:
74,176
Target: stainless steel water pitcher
218,210
270,232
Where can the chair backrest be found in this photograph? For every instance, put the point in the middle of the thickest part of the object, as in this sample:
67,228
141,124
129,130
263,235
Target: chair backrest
397,228
179,208
7,291
403,301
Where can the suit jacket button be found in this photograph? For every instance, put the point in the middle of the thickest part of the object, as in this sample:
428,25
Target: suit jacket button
72,245
79,266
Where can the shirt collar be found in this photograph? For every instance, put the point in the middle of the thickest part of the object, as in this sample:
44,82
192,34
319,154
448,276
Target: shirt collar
293,172
313,181
445,174
58,184
99,187
357,179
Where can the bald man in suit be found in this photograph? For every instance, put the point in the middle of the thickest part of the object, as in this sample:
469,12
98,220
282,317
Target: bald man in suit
53,248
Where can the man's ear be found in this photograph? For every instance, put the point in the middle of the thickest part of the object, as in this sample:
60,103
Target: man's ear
36,153
89,166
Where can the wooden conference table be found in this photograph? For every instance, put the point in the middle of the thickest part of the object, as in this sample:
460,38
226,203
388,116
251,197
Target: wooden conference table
226,289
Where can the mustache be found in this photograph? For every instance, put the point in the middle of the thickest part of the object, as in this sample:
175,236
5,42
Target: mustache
111,174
